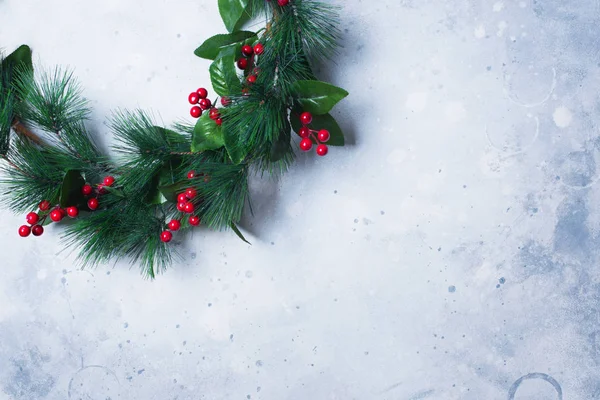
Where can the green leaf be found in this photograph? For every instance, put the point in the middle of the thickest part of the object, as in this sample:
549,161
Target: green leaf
319,122
170,192
231,12
20,58
211,48
238,233
222,73
235,148
70,193
317,97
207,134
281,146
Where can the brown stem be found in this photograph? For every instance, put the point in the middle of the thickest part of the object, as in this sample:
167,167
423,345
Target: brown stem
22,130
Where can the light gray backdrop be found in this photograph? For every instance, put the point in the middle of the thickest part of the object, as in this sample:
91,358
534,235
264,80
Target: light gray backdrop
450,252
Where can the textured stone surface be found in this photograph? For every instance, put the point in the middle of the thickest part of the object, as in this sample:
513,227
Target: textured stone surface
450,252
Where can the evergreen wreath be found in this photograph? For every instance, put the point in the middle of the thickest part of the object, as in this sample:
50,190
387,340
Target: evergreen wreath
166,181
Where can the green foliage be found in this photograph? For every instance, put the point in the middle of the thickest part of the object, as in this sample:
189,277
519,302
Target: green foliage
153,161
31,175
207,135
211,47
70,192
317,97
123,228
145,149
222,72
53,102
232,11
223,189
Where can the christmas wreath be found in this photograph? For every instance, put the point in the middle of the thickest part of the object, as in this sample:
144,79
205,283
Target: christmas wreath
168,180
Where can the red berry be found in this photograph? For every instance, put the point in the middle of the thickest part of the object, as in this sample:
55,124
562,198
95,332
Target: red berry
196,112
247,50
193,98
214,113
189,208
24,231
174,225
242,63
219,121
225,101
109,180
32,218
166,236
202,93
182,198
306,144
102,189
205,104
283,3
72,212
306,118
44,205
87,190
194,220
251,79
259,49
56,215
92,204
181,206
322,149
323,135
191,174
37,230
190,193
304,132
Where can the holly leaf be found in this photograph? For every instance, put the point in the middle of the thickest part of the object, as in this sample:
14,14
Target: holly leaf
238,233
207,134
20,58
222,73
211,48
170,192
325,121
70,192
231,12
317,97
282,145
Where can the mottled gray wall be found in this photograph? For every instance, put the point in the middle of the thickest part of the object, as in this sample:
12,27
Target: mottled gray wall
451,252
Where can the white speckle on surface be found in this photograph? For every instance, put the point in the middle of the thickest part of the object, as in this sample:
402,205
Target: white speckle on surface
455,111
417,101
479,32
397,156
562,117
42,273
498,6
502,25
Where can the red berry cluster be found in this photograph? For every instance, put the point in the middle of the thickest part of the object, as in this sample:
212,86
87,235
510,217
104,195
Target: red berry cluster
185,205
283,3
36,220
308,135
247,62
202,103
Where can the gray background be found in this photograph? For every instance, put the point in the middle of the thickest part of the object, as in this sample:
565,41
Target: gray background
449,251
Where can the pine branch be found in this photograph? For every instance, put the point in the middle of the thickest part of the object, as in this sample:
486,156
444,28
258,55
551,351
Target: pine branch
223,191
125,228
31,175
